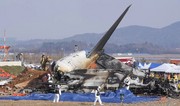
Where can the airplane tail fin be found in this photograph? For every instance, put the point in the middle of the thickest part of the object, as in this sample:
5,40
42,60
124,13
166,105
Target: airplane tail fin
99,46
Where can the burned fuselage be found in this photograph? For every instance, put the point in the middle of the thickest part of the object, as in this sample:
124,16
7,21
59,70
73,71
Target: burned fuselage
81,71
108,72
80,62
88,70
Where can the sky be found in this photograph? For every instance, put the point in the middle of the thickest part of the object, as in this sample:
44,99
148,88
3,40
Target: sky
58,19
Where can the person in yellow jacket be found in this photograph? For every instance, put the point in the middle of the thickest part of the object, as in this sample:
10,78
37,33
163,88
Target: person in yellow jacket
175,78
152,74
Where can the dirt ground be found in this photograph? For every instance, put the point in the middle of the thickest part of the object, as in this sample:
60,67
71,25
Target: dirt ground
164,102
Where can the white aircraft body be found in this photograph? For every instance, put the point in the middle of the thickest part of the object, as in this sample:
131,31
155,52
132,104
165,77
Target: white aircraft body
74,61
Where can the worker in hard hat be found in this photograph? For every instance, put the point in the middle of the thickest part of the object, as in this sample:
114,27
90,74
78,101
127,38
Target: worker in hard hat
97,96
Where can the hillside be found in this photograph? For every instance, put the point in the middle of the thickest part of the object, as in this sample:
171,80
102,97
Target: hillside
160,40
166,37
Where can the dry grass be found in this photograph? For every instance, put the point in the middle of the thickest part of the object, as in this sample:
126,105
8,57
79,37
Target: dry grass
15,70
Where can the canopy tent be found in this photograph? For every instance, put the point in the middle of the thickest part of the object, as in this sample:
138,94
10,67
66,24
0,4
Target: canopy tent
167,68
176,69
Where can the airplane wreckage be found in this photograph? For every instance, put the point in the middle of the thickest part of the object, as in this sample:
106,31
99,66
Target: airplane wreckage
82,72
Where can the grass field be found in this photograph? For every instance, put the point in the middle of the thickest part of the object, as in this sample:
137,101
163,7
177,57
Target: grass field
15,70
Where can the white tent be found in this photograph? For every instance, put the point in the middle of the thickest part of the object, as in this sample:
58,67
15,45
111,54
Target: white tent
168,68
176,69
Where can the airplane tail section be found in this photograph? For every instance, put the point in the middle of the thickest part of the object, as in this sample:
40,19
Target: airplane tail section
99,46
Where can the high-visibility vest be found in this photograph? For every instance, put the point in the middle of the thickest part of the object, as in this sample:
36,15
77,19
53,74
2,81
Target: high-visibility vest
178,86
175,77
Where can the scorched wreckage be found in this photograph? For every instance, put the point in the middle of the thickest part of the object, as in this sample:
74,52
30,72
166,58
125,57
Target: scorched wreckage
83,72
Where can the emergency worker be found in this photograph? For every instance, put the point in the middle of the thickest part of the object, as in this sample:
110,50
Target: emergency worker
152,75
42,62
57,93
157,75
162,77
50,79
97,96
127,82
19,57
175,78
169,77
178,86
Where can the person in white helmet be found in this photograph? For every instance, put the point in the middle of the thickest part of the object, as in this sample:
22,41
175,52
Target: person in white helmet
57,93
127,82
97,96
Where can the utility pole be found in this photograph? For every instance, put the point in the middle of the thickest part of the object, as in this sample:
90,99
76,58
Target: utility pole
4,45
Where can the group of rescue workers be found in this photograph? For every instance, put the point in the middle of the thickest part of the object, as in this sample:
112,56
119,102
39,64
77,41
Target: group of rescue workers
170,77
57,89
173,78
57,92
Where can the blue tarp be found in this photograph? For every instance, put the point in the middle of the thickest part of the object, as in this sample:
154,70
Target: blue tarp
108,97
